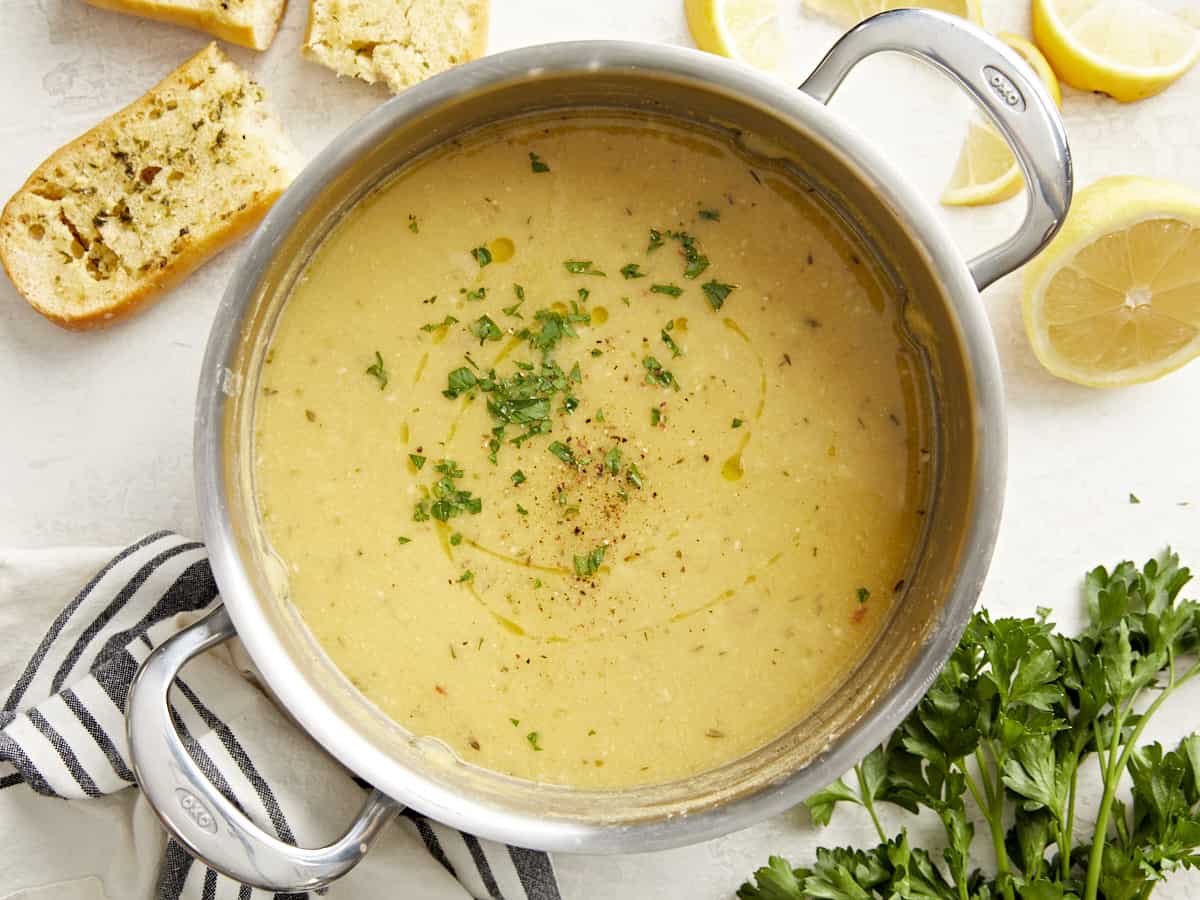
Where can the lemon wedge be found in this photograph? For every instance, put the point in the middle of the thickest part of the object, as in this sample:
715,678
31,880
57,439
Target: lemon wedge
987,171
851,12
747,30
1125,48
1115,298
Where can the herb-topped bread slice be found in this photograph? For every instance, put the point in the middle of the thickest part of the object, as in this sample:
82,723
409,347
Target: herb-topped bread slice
251,23
146,196
399,42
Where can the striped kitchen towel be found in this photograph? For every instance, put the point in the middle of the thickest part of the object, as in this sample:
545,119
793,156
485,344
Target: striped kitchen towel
62,735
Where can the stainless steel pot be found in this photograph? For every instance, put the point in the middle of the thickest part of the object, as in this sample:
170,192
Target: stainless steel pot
964,392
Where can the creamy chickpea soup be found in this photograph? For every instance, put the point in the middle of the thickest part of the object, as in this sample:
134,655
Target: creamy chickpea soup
592,447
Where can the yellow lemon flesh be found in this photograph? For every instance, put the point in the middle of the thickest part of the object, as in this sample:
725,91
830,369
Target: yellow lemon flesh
1115,298
1124,48
987,171
850,12
747,30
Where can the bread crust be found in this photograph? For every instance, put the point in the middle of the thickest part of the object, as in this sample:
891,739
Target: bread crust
20,266
199,19
181,266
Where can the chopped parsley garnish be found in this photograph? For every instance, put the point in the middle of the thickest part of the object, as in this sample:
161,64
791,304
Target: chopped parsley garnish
737,423
612,460
656,240
523,399
434,326
711,215
563,452
417,460
716,292
403,540
412,224
533,737
468,575
449,500
695,261
863,595
656,374
512,310
555,326
581,267
486,330
671,290
634,476
480,294
518,477
376,368
589,564
460,381
599,416
536,164
1133,498
595,351
522,510
482,255
576,374
656,416
632,271
670,341
456,539
515,722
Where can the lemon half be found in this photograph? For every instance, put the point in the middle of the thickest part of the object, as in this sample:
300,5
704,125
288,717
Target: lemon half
850,12
1124,48
1115,298
740,29
987,171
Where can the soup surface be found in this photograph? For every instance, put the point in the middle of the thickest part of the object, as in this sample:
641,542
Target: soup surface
592,447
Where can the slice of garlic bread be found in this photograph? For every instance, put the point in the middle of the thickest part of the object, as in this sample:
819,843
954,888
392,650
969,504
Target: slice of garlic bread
251,23
145,197
399,42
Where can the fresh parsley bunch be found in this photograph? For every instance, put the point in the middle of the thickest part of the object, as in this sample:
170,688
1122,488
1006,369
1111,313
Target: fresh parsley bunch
1004,730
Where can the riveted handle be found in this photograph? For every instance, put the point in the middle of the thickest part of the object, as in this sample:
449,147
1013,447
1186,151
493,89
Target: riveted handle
1000,82
196,813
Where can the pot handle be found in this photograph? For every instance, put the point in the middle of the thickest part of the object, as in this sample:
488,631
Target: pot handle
196,813
1000,82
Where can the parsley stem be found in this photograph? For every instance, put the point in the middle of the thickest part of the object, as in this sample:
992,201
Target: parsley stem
1068,830
994,811
1113,772
868,802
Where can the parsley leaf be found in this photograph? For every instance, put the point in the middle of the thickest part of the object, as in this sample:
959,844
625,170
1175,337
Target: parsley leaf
417,460
632,270
563,452
431,327
670,341
711,215
486,330
533,737
656,374
536,164
612,461
581,267
736,423
412,224
715,293
403,540
518,477
672,290
589,563
376,368
656,240
482,255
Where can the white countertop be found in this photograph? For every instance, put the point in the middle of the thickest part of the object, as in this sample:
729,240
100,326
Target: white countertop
96,446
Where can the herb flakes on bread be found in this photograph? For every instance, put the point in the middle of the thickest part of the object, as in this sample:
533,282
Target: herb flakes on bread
140,201
400,42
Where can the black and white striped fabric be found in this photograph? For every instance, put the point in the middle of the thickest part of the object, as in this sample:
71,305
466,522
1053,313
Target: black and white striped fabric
62,735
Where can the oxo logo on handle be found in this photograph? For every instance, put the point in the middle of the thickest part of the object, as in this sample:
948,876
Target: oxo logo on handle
196,810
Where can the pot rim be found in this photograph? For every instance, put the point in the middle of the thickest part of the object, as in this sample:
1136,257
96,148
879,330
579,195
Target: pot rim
333,731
